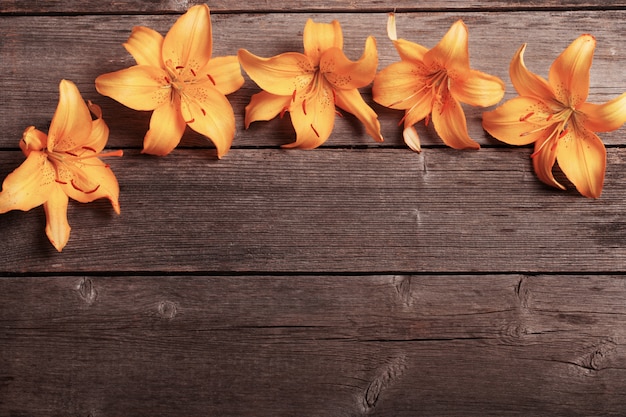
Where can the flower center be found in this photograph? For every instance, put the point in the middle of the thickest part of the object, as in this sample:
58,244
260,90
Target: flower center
179,79
68,166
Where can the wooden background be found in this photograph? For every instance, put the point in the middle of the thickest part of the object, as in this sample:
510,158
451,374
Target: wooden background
355,279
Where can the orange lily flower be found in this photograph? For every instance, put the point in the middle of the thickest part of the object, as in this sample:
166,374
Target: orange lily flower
176,77
554,115
65,163
432,83
310,85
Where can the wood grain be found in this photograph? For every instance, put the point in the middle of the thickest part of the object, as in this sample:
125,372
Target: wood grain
313,345
337,210
226,6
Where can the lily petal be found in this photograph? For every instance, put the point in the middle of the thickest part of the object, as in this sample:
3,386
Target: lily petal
352,102
33,140
527,83
544,158
412,139
569,73
478,89
145,45
582,158
451,52
225,73
508,124
189,42
604,117
29,185
167,126
410,51
319,37
71,120
399,86
313,120
140,87
57,227
91,181
209,113
450,124
99,131
345,74
265,106
281,75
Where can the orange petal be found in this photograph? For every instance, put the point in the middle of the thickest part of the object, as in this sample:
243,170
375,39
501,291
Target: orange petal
582,157
91,181
33,140
319,37
450,124
189,42
209,113
141,87
412,139
509,122
544,158
145,45
57,227
604,117
99,130
166,129
478,89
527,83
224,73
569,73
451,52
410,51
345,74
265,106
29,185
280,75
313,119
71,122
399,86
352,102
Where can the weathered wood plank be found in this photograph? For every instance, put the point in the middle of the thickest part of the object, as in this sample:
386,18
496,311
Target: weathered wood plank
313,345
330,210
228,6
82,47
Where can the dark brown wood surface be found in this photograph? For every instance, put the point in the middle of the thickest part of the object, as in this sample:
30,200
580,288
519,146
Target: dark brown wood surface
355,279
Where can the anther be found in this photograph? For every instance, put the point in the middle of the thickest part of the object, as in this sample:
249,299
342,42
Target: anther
526,117
338,113
315,131
167,80
192,72
203,111
304,106
179,67
71,153
211,78
83,191
293,96
563,133
190,121
89,148
60,182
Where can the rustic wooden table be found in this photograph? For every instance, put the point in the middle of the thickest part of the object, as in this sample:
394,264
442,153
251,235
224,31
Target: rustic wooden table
355,279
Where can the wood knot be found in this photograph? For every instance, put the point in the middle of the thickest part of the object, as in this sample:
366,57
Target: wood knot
87,291
385,376
167,310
